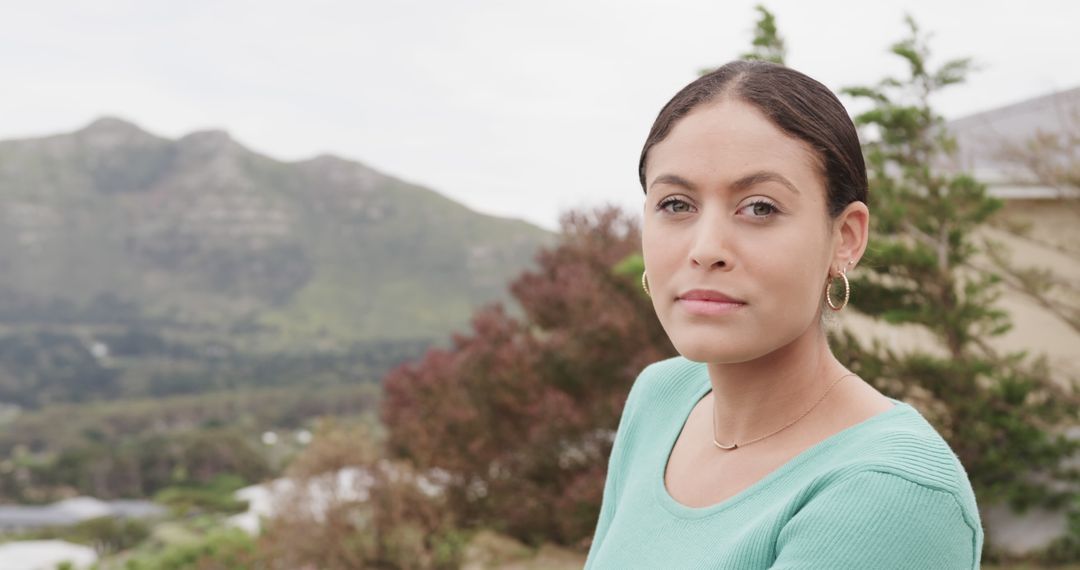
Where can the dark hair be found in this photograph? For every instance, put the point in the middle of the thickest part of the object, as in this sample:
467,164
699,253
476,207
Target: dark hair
798,104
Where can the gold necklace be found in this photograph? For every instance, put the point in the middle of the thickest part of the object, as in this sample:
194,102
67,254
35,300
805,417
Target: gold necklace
745,443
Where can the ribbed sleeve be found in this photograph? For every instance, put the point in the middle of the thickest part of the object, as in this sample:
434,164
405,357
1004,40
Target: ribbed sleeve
878,520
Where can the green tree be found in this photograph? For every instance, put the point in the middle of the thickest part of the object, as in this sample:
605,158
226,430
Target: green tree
1003,413
768,43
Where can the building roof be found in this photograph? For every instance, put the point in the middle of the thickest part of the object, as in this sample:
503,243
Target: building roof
983,139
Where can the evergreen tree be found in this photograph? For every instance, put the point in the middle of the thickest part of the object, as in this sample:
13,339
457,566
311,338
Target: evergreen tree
1003,413
768,43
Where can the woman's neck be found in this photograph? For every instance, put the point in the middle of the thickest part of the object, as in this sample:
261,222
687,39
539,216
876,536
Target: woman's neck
754,398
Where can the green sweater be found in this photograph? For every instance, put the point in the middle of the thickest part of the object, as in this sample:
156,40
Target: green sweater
885,493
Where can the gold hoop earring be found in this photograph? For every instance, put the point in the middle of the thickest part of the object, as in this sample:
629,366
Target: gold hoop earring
645,284
828,292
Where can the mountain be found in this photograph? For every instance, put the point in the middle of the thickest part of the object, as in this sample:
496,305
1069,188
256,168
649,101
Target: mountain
111,225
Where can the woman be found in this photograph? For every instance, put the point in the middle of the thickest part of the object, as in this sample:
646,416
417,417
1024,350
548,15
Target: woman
756,448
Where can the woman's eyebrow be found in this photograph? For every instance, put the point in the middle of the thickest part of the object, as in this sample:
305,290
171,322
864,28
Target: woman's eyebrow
760,177
742,184
674,180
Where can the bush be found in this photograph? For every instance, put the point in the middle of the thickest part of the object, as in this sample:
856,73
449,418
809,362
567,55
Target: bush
109,534
215,496
384,520
520,413
224,549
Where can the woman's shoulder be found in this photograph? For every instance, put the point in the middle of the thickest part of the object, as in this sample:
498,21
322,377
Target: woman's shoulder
902,445
894,469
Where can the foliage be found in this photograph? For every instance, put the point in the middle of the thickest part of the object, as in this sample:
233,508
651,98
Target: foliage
1066,548
45,367
60,427
55,365
525,409
221,549
109,534
385,520
215,495
768,43
143,466
1000,412
106,534
337,444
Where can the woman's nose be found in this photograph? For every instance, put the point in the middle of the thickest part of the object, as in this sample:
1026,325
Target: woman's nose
710,247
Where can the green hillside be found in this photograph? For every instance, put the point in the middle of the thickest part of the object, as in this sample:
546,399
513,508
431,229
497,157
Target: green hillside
198,250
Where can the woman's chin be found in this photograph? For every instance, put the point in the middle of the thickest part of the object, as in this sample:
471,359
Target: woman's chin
717,352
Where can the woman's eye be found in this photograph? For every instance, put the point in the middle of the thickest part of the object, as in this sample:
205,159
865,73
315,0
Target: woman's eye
761,209
674,206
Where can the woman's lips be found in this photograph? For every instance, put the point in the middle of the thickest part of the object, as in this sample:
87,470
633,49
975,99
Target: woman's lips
709,308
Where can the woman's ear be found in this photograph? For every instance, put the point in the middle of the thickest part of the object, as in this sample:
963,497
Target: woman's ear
850,234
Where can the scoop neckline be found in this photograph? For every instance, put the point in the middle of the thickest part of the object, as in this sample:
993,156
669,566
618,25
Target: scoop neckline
684,511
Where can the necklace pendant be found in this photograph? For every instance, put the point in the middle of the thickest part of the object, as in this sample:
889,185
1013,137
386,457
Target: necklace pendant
722,446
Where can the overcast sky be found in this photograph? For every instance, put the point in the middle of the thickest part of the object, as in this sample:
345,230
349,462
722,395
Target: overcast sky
520,109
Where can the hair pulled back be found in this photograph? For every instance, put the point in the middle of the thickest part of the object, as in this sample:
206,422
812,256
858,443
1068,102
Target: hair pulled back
796,103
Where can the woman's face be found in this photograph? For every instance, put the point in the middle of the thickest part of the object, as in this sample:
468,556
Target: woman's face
736,206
